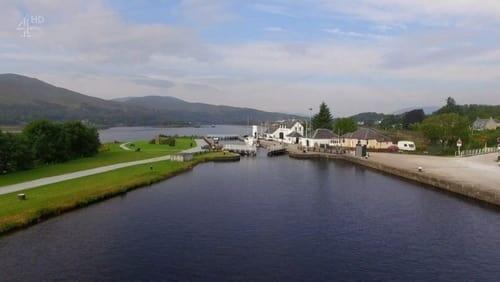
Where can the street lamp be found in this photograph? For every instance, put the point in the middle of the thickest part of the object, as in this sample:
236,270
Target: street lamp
310,125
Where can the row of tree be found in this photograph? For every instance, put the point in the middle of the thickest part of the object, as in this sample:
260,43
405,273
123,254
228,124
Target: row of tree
44,142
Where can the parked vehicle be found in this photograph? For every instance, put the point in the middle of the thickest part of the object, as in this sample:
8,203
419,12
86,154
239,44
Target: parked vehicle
406,146
393,149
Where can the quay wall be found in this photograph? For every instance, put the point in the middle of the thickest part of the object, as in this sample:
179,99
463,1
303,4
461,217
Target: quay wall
476,192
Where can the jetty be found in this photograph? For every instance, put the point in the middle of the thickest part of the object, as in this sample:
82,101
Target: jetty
276,150
245,150
223,137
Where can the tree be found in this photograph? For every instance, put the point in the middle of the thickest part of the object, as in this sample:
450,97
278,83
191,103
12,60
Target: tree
55,142
15,153
391,121
450,102
450,107
412,117
323,119
445,128
82,141
48,141
344,125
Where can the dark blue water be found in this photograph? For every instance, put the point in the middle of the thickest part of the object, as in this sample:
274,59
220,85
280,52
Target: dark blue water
265,219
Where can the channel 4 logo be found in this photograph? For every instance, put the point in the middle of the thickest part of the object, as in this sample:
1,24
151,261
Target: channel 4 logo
30,24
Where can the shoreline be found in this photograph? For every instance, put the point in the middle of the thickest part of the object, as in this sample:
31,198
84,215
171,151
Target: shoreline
474,192
44,214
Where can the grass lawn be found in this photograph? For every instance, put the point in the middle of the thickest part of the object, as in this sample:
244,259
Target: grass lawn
110,154
54,199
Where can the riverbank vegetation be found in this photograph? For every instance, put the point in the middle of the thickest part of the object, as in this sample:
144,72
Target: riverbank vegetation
44,142
108,154
54,199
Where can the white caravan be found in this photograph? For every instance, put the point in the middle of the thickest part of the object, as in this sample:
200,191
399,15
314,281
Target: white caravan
406,146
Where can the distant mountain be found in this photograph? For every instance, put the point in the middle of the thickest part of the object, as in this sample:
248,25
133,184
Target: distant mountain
427,110
368,117
23,99
179,110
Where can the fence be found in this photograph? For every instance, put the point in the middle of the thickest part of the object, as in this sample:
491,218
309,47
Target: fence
475,152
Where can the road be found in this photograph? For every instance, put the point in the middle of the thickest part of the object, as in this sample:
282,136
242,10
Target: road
480,171
59,178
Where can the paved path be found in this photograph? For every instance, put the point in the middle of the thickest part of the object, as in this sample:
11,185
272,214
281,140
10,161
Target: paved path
198,149
88,172
124,146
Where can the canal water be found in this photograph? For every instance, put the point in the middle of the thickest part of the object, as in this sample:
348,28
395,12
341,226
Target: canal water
264,219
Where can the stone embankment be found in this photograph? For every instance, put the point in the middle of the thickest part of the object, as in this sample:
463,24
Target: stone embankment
476,177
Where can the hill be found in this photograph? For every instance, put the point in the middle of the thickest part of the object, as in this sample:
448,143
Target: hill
368,117
23,99
180,110
427,110
472,111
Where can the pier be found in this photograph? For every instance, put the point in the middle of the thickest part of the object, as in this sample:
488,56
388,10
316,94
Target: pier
246,150
276,150
223,137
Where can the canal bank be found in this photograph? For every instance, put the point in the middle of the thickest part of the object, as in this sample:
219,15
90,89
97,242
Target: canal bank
474,177
263,219
52,200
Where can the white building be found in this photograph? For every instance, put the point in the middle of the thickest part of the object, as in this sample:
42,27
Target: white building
283,131
366,136
485,124
320,139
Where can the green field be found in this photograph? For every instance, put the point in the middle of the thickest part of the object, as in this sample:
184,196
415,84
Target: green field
54,199
110,154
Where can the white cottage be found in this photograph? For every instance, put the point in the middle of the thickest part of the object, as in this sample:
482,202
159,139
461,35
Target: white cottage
366,136
321,138
284,131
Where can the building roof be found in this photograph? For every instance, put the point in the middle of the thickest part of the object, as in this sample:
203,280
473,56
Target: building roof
480,123
294,134
290,123
271,128
322,133
365,133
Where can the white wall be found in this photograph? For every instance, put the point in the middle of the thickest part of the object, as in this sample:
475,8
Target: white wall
371,144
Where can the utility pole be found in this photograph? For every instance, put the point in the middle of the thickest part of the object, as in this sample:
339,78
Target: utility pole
310,123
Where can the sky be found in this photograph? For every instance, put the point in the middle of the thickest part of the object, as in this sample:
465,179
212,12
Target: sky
276,55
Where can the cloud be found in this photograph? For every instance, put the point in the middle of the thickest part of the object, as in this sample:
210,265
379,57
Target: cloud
374,54
160,83
423,11
93,32
281,10
207,12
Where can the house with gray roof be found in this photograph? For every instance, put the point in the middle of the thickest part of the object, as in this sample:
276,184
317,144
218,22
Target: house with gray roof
485,124
321,137
373,138
287,131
